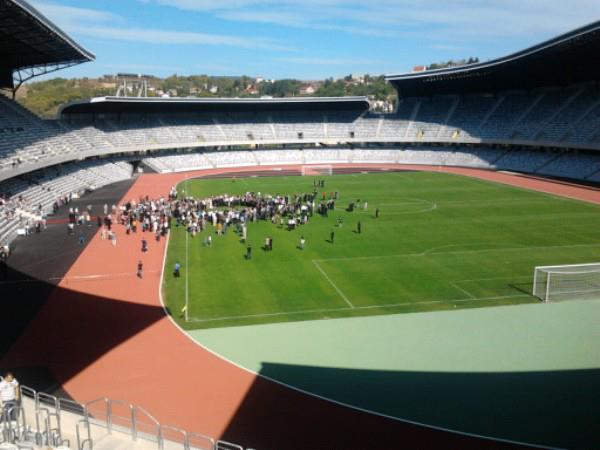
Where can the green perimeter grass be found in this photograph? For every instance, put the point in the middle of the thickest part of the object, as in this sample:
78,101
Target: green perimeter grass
442,241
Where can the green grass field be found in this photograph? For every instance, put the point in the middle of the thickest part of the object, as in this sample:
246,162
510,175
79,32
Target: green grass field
441,242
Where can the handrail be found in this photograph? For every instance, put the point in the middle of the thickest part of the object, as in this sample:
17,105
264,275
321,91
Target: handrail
147,414
45,413
136,422
47,399
70,403
224,445
85,442
191,437
164,428
106,401
81,443
12,427
28,392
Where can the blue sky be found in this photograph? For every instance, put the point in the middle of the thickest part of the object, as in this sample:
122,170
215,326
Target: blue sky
305,39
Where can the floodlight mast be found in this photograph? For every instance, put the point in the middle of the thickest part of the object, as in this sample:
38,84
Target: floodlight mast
137,83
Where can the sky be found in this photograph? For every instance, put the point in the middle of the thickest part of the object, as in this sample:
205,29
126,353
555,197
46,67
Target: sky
303,39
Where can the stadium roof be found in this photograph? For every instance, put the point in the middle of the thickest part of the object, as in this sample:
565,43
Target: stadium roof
31,45
150,105
569,58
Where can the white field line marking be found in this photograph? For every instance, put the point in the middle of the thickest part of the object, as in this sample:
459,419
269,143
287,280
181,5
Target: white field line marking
431,251
339,291
494,278
441,247
464,291
387,306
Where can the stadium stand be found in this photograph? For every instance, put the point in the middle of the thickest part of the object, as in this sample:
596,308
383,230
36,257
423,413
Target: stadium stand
27,200
566,118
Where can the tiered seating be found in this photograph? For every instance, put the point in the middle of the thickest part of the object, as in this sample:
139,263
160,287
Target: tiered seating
246,127
231,159
560,116
466,118
395,126
179,162
366,127
431,115
550,103
521,160
499,124
279,157
561,126
588,127
321,156
375,156
573,165
343,126
297,125
31,198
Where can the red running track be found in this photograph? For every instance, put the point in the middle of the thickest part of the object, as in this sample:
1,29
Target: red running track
103,332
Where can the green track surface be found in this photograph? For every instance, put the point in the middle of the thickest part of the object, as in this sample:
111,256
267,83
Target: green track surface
529,373
442,242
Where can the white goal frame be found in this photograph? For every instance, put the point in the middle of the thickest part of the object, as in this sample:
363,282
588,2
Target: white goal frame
321,169
563,282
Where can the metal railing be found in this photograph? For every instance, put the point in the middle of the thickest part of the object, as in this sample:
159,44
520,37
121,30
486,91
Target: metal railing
112,415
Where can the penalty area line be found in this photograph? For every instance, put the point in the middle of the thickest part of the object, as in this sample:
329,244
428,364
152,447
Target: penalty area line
338,290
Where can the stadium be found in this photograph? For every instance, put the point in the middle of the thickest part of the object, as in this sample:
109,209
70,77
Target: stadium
303,273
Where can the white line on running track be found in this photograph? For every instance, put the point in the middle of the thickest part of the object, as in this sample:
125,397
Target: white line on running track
339,291
464,291
387,306
429,252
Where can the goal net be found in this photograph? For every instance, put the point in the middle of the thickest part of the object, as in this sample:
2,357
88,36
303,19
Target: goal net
322,169
576,281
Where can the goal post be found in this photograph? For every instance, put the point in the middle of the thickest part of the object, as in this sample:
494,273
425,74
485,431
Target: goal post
317,169
567,282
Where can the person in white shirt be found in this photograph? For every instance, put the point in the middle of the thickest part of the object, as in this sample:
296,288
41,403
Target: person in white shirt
9,395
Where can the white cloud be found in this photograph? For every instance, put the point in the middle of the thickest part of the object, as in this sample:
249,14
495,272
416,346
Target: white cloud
453,19
166,37
66,16
106,25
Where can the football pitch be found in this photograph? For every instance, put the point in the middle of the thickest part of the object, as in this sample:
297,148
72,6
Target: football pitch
441,242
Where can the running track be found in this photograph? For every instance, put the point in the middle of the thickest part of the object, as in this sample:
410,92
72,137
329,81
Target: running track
103,332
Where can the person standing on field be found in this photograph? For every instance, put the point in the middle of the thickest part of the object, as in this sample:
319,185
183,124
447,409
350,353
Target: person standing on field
302,242
331,236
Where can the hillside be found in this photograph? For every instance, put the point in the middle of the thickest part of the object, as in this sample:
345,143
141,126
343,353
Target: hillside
45,97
